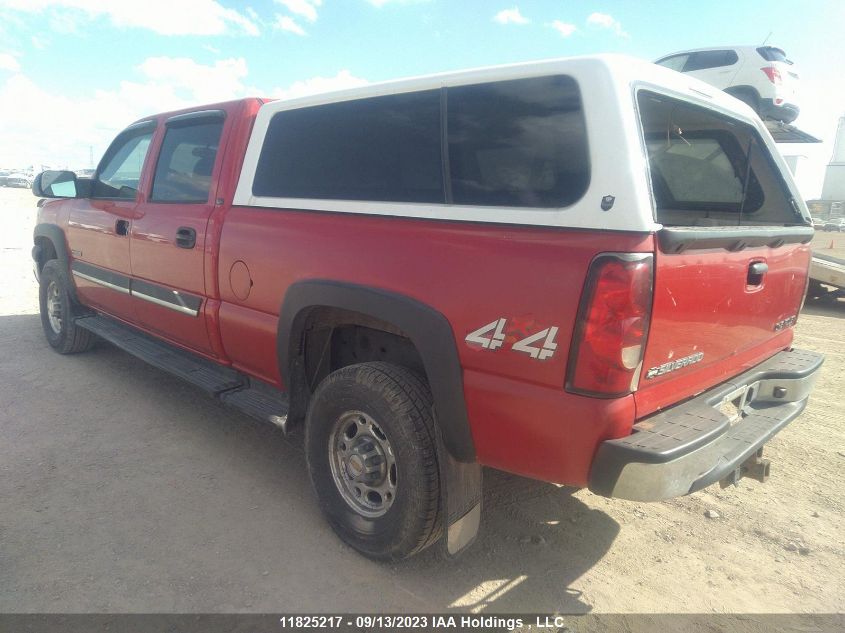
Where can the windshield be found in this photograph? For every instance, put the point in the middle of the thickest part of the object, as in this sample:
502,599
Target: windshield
772,54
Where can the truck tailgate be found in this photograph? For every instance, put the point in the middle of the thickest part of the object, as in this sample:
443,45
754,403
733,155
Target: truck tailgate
733,254
714,317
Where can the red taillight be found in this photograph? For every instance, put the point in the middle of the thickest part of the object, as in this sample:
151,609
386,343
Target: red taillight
613,319
773,74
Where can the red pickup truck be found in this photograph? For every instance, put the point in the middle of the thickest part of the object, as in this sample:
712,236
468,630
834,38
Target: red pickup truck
584,271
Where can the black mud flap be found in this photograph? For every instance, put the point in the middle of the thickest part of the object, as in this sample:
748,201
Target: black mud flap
460,496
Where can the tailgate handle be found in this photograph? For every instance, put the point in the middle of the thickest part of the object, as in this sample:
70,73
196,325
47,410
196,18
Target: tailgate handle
756,272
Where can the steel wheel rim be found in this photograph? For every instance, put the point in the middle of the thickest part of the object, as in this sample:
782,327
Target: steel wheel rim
54,307
363,464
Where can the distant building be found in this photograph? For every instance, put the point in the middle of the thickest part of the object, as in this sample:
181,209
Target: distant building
834,177
832,202
825,209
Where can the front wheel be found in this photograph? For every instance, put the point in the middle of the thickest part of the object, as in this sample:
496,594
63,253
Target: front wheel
371,451
57,312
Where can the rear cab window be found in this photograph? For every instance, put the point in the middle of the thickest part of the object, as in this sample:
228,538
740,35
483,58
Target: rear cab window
708,169
186,160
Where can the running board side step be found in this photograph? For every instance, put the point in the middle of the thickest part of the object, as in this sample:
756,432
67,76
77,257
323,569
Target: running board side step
231,387
260,401
202,373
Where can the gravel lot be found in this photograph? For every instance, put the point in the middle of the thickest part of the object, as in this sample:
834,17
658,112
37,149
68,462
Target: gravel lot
124,490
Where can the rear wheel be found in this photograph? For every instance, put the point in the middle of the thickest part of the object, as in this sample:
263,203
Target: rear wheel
371,453
58,312
748,97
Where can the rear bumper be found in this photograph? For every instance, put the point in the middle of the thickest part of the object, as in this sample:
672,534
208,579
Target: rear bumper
786,112
696,443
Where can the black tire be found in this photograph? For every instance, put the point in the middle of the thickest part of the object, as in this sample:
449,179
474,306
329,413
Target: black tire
816,290
61,331
400,403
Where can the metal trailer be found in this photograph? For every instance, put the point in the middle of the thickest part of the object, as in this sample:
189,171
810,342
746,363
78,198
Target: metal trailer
827,277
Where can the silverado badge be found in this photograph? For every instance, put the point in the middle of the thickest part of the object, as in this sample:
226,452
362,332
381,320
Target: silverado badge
785,323
672,365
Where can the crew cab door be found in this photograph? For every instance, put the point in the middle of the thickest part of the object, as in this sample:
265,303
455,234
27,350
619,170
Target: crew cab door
98,227
168,237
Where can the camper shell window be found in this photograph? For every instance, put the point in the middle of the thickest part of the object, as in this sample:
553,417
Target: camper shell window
518,143
708,169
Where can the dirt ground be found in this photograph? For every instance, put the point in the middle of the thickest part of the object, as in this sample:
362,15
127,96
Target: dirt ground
124,490
829,243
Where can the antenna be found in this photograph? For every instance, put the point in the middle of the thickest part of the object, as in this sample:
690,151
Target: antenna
767,38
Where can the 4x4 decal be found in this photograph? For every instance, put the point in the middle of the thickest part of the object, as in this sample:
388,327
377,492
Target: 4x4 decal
495,341
541,353
495,334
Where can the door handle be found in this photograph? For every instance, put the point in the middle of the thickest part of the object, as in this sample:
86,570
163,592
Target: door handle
186,237
121,227
756,270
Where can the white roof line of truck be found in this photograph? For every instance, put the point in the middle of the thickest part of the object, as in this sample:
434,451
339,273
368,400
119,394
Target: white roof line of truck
617,163
619,64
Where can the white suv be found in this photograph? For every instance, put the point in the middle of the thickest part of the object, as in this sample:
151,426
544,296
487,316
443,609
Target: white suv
761,76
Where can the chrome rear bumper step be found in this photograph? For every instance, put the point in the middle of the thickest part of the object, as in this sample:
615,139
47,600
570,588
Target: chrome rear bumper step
697,443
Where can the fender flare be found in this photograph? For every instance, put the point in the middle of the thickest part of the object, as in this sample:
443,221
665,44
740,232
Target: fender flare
428,329
56,236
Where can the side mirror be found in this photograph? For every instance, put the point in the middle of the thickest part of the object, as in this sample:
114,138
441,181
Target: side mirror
55,184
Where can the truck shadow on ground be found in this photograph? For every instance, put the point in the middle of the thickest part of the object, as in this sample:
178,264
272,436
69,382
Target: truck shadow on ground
189,494
536,539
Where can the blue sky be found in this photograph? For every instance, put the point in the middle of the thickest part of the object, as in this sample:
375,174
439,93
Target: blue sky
73,72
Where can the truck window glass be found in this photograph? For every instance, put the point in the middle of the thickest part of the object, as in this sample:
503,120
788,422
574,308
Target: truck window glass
383,148
699,169
183,171
518,143
772,54
710,59
120,172
675,62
